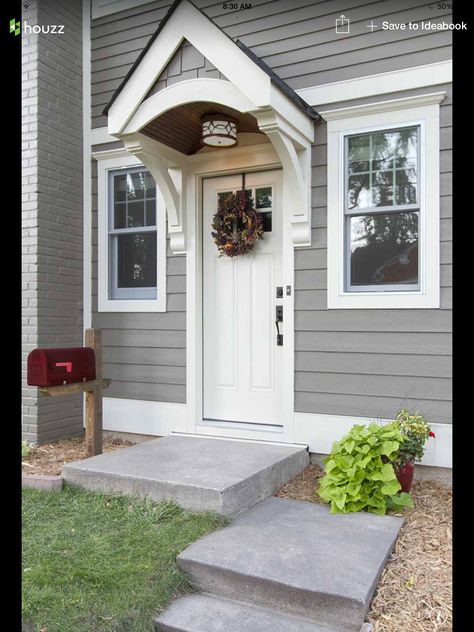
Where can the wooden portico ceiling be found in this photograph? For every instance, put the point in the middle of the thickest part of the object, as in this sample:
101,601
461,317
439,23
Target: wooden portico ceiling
181,127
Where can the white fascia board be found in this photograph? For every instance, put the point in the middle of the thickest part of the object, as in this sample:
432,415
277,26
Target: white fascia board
391,105
378,84
189,23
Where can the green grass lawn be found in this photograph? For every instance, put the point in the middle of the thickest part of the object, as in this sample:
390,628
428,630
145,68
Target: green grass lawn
102,563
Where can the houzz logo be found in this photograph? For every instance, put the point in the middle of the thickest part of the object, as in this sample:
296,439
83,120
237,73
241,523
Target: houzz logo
28,29
15,27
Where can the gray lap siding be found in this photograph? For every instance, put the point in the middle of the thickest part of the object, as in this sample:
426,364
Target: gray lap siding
372,362
347,362
144,354
296,39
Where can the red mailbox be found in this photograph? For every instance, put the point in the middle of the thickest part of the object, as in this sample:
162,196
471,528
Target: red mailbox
53,367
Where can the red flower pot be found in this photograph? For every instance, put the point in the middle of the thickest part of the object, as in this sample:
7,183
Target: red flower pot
405,475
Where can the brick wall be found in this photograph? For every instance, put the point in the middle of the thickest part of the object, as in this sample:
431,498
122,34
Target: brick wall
52,204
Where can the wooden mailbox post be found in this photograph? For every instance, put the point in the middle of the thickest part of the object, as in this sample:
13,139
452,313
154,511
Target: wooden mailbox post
93,392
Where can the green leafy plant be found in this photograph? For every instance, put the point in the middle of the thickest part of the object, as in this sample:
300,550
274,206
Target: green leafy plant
415,431
25,448
360,474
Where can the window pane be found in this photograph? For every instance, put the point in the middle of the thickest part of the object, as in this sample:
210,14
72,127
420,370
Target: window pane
120,215
264,197
135,214
384,249
405,187
378,162
136,257
150,186
221,197
150,212
120,187
267,221
136,185
359,194
359,148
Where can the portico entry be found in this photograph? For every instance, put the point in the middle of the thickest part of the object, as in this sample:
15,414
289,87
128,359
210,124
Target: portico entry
239,371
242,353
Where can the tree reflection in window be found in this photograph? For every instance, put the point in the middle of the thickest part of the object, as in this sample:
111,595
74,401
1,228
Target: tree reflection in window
382,209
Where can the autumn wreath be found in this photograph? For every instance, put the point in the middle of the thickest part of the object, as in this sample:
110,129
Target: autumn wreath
237,225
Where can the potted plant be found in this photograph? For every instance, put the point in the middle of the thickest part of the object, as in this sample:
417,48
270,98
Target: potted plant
415,432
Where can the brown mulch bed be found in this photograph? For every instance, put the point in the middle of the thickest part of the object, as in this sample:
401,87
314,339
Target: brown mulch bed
49,458
415,591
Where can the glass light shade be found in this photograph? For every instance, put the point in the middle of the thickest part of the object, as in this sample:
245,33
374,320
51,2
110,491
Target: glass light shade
219,131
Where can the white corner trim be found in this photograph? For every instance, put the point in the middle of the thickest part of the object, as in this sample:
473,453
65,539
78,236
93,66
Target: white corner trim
428,297
87,175
121,159
380,83
143,417
384,106
319,432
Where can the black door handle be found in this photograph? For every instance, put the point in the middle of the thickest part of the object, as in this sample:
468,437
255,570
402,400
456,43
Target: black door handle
278,320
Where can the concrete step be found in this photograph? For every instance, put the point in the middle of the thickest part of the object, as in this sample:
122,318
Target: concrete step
208,613
200,474
297,558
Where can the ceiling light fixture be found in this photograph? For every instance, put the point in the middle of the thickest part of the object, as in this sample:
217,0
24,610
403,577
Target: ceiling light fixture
219,130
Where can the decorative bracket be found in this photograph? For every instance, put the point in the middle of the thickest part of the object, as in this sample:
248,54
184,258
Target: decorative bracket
294,152
171,182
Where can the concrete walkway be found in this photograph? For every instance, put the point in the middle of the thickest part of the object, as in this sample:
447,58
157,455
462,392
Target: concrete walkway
199,474
281,566
284,565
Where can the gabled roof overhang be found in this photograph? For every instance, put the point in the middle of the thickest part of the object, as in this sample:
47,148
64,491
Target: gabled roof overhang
252,88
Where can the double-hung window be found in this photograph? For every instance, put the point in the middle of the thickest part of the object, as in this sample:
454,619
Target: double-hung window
383,204
382,210
132,237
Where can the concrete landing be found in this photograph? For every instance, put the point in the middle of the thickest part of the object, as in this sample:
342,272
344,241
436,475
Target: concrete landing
296,558
208,613
199,474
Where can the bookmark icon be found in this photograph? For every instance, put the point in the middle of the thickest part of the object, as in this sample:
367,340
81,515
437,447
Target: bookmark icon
342,24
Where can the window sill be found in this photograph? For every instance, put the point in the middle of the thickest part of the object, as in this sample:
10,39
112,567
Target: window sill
386,300
155,305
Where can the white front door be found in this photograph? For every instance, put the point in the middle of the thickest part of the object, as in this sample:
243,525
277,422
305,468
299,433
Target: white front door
242,362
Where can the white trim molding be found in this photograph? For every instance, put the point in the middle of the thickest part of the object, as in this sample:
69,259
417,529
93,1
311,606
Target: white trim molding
319,431
424,112
87,176
143,417
438,73
108,161
100,136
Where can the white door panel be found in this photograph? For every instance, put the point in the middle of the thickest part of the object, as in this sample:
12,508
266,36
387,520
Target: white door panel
241,360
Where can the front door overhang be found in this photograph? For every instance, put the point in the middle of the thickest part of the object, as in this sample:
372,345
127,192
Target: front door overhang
250,87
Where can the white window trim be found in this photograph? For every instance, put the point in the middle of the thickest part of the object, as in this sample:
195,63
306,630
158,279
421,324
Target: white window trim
422,111
111,161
